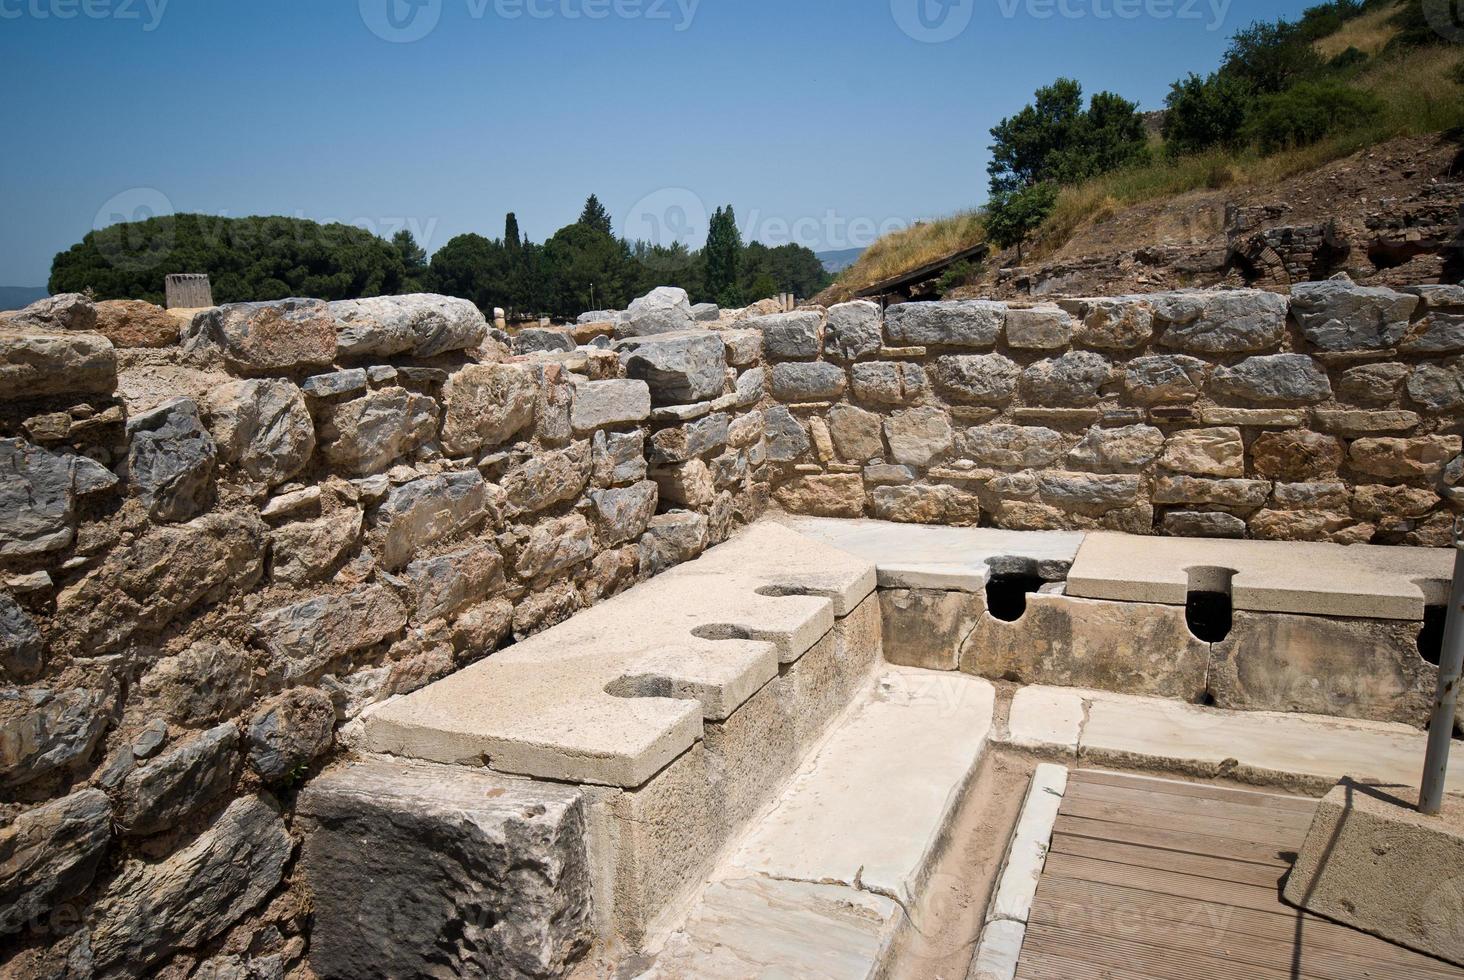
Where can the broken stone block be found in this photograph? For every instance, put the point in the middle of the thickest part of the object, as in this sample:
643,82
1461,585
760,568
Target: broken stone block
367,435
22,650
680,368
1404,459
975,379
169,789
206,683
1337,315
263,427
963,323
464,872
64,311
598,404
790,336
1438,387
854,330
36,363
857,434
38,491
152,909
1203,524
1296,457
625,514
49,855
1277,379
306,636
267,338
418,513
1074,379
787,439
827,495
421,325
338,383
1372,384
536,340
894,383
665,309
919,436
556,545
925,627
671,540
308,551
289,732
486,405
687,485
170,461
48,730
618,458
1205,452
547,479
1115,324
444,584
1165,379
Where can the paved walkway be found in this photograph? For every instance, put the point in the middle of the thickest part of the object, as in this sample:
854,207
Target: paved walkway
1151,879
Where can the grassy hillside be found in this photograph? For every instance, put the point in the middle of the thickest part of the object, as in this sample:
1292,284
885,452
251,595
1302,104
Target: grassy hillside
1418,88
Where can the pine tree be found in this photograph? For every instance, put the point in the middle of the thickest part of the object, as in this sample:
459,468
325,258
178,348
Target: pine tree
723,252
595,216
511,238
414,258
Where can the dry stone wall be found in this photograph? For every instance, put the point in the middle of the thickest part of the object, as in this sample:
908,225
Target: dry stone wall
1330,415
217,549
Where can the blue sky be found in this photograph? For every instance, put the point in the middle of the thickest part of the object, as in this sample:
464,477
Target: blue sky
822,121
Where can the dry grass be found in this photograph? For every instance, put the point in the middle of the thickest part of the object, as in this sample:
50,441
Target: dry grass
1369,34
911,248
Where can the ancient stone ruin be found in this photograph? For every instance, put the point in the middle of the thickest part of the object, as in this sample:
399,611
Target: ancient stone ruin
363,639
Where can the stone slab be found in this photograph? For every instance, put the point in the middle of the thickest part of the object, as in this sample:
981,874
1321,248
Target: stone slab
1026,856
871,807
619,691
1373,862
1358,581
956,559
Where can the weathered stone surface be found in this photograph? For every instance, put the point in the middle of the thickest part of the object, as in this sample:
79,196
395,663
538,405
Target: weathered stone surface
64,311
1221,322
618,457
706,312
36,363
534,340
337,383
1347,668
1311,496
1165,379
854,330
1337,315
1349,422
1376,503
1014,446
146,585
547,479
963,323
486,405
308,551
1216,493
828,495
170,461
1372,384
919,436
1124,450
266,338
210,681
430,509
1276,379
924,628
134,323
1126,647
263,427
367,435
975,379
1306,525
790,336
289,732
306,636
1072,379
1087,492
1438,387
927,504
49,855
687,484
672,539
38,491
625,514
151,909
1437,333
787,439
1115,324
665,309
1404,459
604,403
167,790
808,382
1039,328
888,382
1205,452
444,584
46,730
556,545
744,347
22,650
1203,524
421,325
679,367
856,433
1296,456
467,874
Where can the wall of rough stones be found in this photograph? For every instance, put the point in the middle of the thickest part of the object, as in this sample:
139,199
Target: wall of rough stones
222,539
1330,415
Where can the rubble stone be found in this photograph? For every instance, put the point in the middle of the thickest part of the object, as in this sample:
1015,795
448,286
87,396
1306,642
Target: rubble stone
267,338
170,461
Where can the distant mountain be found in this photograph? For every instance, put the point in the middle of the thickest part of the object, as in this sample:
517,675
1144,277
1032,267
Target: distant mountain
19,297
840,260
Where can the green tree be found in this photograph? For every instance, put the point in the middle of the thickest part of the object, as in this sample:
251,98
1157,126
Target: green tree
511,240
586,269
595,216
787,268
1056,139
1271,57
1012,216
1205,112
723,255
474,268
414,261
1309,112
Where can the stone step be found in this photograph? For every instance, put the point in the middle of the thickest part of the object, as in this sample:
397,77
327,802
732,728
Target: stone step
1307,753
820,885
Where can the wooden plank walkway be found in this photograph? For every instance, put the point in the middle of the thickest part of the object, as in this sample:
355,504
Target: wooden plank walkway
1151,879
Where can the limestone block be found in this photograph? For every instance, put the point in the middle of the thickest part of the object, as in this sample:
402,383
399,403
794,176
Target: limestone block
750,387
1372,384
827,495
369,434
977,379
418,513
1129,449
1373,862
618,457
167,790
547,478
1221,322
1309,525
854,330
1438,387
1014,446
36,363
49,730
743,346
598,404
548,340
306,636
49,855
1039,328
1349,668
38,491
1216,493
894,383
1074,379
1127,647
1088,493
263,427
337,383
808,382
64,311
308,551
1165,379
857,434
1337,315
1275,379
787,439
790,336
919,436
556,545
1203,524
963,323
665,309
289,732
1216,452
170,461
1381,502
925,628
1115,324
22,651
1296,457
927,504
209,681
486,405
1359,423
446,583
624,514
267,338
688,485
1436,333
680,368
1404,459
422,325
672,539
1311,496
